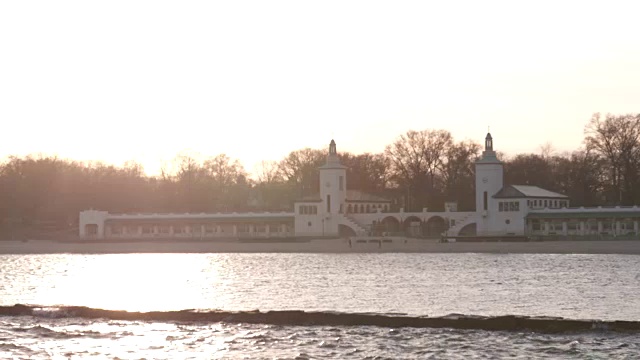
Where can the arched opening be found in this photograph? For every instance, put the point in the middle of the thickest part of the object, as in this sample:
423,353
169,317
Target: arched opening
368,209
349,209
345,231
388,226
468,230
434,227
412,226
91,230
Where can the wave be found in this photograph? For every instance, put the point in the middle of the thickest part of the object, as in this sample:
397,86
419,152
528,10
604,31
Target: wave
303,318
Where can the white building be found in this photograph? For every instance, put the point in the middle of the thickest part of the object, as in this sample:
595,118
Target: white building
502,212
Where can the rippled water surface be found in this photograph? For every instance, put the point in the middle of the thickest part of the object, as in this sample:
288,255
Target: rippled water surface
605,287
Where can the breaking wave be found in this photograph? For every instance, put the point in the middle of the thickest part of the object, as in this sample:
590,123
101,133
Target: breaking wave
303,318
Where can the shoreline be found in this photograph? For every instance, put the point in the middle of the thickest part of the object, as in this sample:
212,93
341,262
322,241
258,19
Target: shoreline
370,245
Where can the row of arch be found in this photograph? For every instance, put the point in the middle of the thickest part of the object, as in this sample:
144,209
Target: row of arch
412,226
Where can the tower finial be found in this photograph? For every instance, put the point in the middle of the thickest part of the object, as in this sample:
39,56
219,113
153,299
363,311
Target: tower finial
332,148
488,142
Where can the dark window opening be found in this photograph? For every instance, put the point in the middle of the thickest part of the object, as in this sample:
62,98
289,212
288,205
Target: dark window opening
486,205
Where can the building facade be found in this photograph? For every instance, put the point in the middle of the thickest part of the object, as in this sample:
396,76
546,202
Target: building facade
512,211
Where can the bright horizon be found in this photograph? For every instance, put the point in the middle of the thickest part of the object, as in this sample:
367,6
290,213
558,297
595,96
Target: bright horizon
145,81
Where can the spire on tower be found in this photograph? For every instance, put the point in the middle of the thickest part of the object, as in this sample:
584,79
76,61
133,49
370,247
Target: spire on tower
488,143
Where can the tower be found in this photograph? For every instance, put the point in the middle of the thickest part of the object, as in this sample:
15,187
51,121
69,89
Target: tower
489,178
333,183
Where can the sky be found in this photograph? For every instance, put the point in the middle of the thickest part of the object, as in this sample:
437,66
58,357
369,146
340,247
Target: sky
144,81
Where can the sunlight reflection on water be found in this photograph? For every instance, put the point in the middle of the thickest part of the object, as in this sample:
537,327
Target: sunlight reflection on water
573,286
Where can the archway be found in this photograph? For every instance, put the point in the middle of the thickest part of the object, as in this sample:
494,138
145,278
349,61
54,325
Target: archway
91,229
389,225
468,230
345,231
434,227
412,226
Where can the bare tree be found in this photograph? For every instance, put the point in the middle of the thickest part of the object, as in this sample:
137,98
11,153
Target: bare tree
617,139
417,159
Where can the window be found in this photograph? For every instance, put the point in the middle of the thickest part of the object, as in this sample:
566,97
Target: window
535,225
341,183
486,205
328,203
507,206
308,210
91,229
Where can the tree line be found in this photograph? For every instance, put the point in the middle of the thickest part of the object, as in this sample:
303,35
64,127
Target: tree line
420,169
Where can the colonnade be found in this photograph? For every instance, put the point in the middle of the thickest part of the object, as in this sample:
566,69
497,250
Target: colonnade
583,227
218,230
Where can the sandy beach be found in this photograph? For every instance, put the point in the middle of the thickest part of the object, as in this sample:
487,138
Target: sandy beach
322,246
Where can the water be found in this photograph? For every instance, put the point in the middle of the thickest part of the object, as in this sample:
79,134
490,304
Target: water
603,287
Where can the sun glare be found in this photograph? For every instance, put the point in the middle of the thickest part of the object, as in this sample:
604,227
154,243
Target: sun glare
131,282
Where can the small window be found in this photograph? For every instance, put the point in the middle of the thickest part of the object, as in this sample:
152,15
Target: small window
500,206
341,183
309,223
485,200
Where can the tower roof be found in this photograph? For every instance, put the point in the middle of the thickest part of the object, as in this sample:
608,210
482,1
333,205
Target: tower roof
488,155
333,161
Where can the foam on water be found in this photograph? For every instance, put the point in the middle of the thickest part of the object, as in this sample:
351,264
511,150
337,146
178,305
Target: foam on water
67,337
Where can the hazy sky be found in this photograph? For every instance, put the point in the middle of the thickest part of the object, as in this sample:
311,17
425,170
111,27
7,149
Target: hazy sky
145,80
